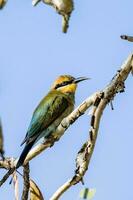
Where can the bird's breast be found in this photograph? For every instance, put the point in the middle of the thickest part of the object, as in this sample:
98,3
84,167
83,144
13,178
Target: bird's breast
51,130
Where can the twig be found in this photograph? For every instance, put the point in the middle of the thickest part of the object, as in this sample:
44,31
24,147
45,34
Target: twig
84,155
15,183
65,22
26,182
1,141
64,8
126,37
5,163
6,176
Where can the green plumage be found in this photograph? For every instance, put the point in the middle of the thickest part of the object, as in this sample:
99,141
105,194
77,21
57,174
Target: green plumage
53,108
46,118
50,108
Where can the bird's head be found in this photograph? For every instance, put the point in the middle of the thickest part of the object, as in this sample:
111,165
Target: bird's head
67,83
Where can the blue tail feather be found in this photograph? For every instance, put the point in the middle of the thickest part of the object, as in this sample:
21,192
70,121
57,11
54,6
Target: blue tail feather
24,153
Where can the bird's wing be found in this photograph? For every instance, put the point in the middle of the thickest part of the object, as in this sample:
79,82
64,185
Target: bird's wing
49,109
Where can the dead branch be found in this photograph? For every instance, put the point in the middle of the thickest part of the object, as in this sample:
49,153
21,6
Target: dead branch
15,183
1,141
26,186
99,101
103,98
126,37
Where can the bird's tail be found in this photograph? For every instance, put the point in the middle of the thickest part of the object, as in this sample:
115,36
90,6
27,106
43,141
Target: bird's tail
65,22
24,153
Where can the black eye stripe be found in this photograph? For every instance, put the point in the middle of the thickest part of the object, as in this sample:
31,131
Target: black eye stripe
63,84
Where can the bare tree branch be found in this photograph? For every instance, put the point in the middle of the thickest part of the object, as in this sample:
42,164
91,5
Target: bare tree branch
26,182
105,96
98,100
6,163
126,37
1,141
15,183
64,8
6,176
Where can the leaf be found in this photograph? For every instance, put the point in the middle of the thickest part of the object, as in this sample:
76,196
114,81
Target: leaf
2,3
35,193
87,193
1,141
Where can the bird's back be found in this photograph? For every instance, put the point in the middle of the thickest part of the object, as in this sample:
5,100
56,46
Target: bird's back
49,113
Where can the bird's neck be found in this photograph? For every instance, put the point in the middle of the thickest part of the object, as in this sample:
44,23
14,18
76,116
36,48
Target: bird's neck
71,96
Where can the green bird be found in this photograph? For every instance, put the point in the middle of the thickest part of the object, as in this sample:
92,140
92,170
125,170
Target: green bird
53,108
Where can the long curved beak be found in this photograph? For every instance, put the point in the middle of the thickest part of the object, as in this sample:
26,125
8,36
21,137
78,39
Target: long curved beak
35,2
77,80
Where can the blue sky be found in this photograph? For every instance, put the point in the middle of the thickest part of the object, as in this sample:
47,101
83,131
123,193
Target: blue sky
33,52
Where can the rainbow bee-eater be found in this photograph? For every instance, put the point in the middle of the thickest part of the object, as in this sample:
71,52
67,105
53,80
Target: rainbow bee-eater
54,107
63,7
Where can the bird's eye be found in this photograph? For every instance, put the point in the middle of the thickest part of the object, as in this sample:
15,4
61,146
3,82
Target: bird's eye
63,84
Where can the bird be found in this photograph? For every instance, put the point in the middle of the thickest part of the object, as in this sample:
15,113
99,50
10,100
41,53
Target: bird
53,108
63,7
